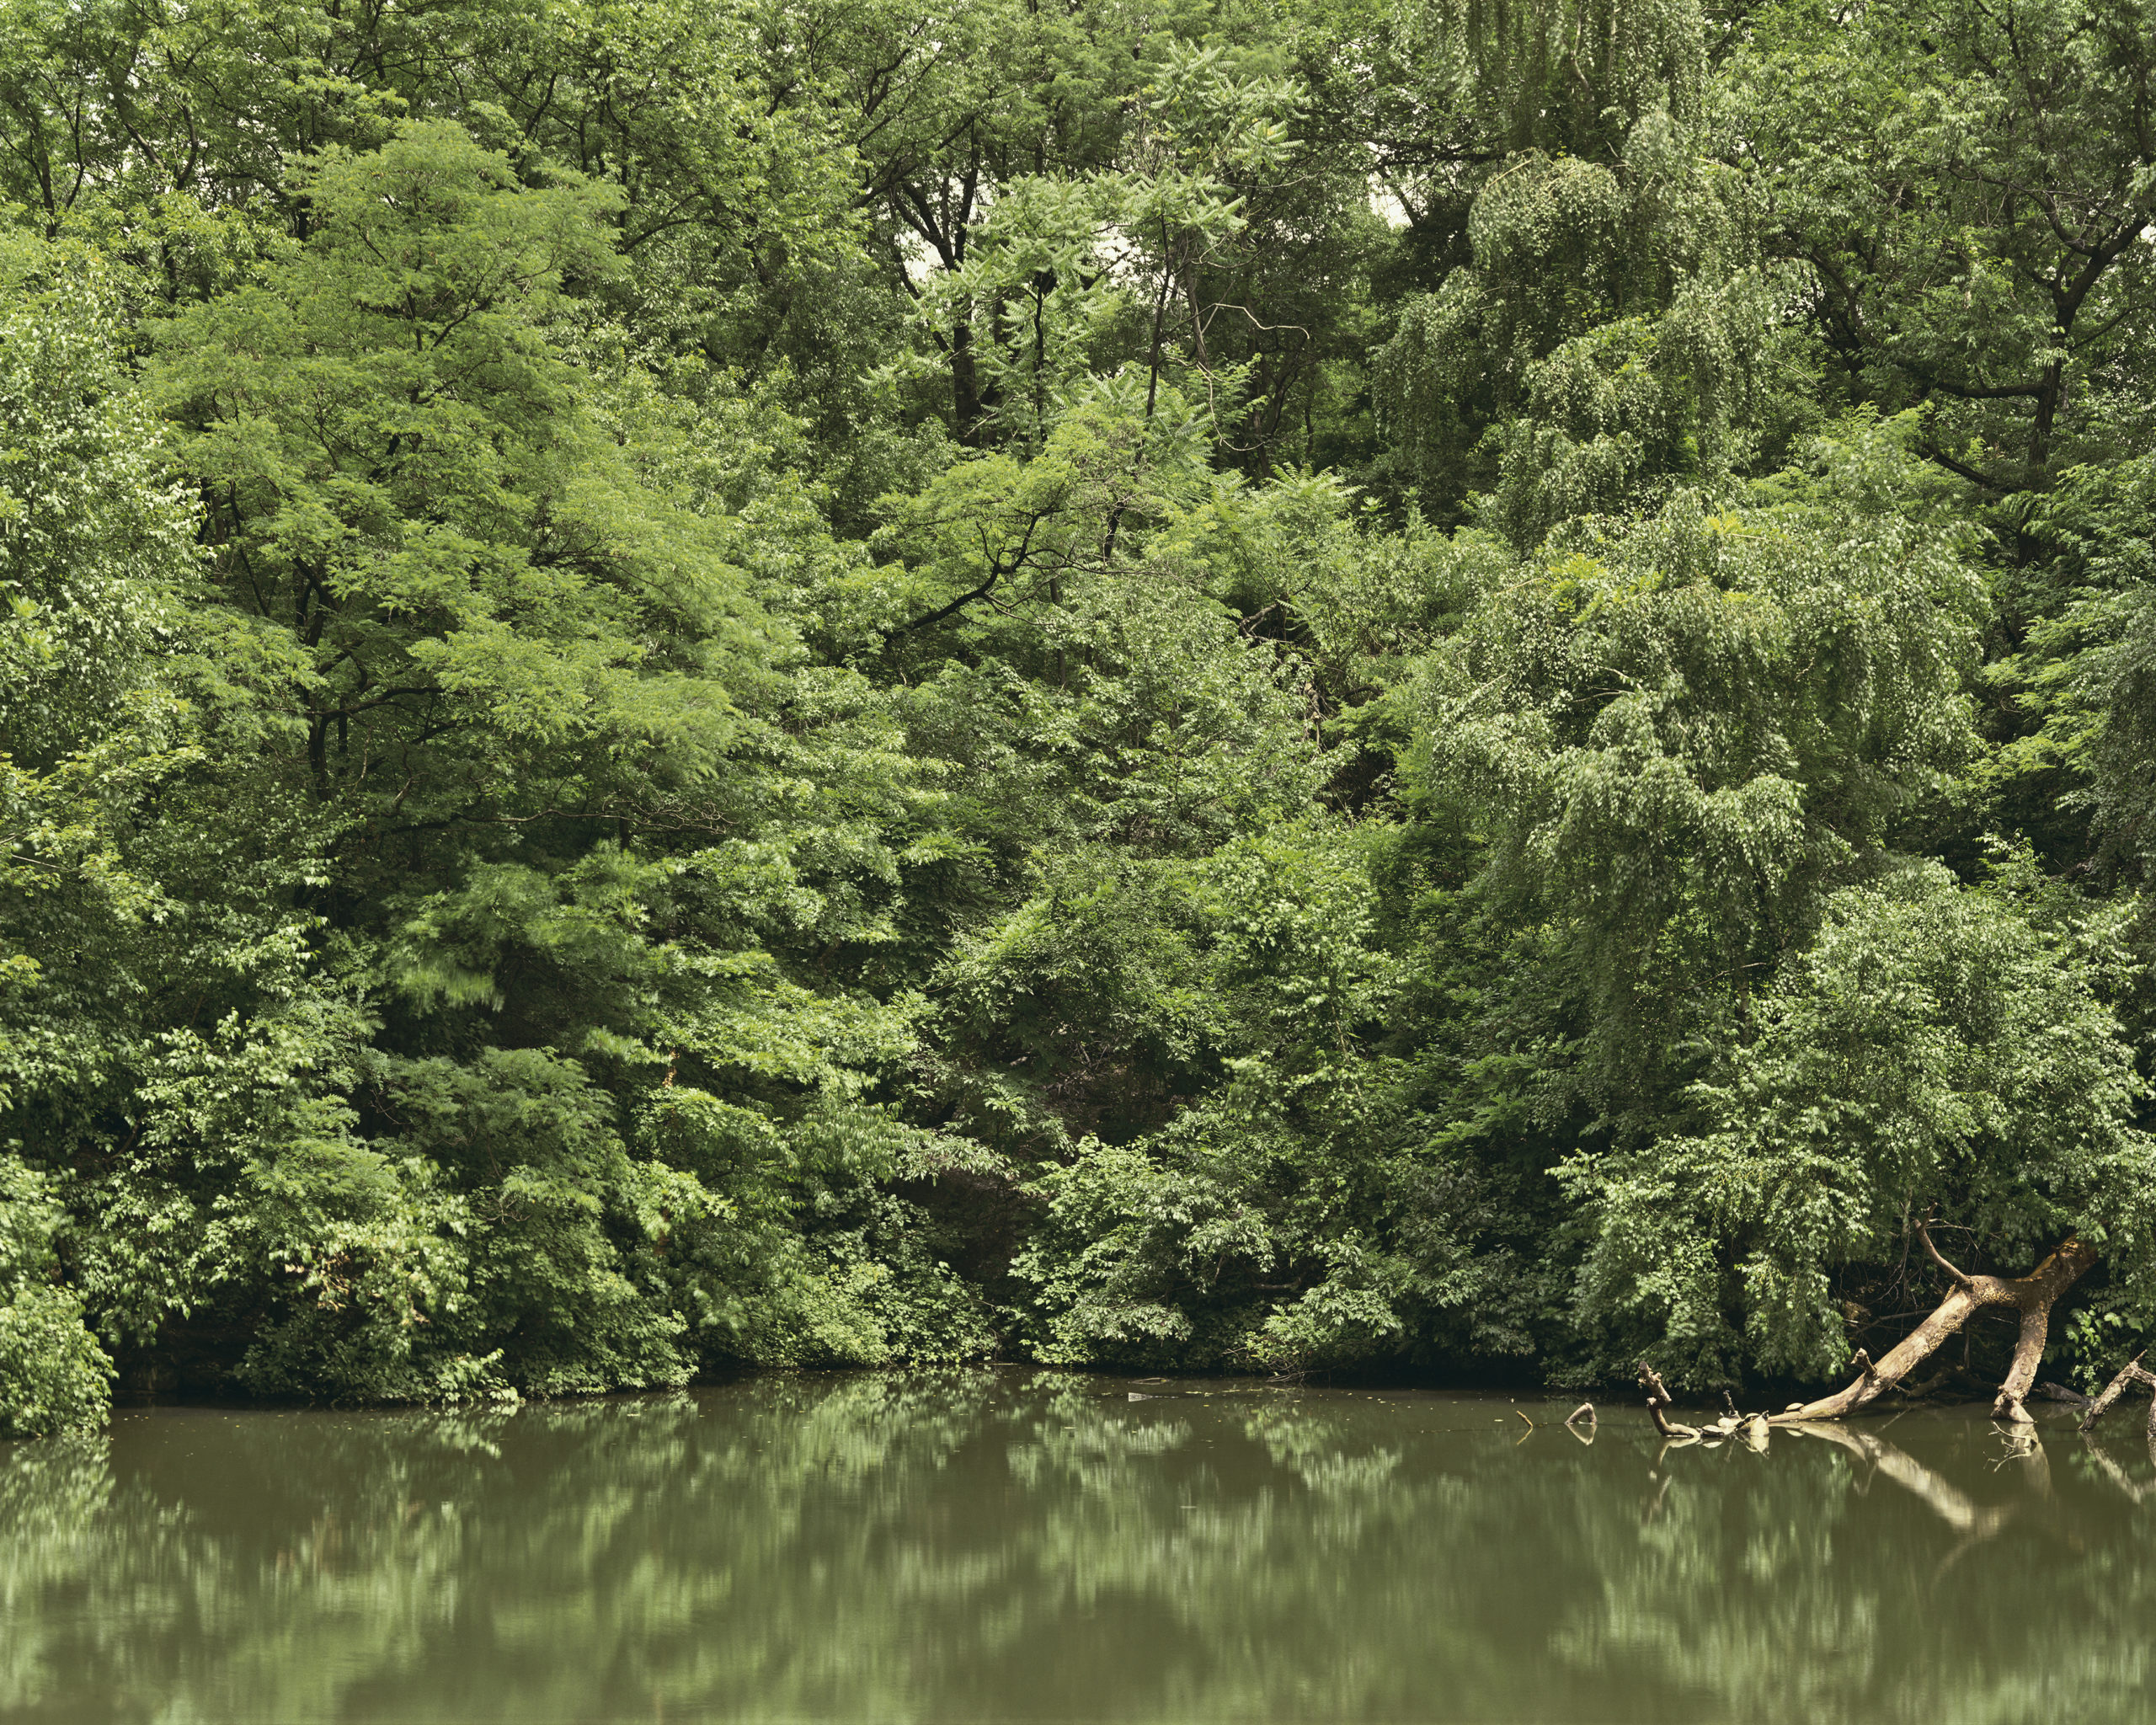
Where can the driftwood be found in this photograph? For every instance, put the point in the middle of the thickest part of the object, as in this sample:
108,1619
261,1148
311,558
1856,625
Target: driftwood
1750,1428
1658,1400
2032,1296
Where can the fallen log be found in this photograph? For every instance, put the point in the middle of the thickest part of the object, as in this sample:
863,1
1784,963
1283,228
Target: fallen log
2032,1296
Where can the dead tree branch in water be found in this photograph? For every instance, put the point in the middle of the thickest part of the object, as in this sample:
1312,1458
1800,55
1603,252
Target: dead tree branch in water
2131,1373
1658,1399
2032,1296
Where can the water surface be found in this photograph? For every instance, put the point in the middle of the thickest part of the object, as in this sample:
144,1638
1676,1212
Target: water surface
1012,1545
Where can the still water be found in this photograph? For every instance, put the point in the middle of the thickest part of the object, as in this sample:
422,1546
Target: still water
1011,1546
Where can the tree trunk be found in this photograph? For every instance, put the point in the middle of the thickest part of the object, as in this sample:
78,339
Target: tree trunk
2032,1294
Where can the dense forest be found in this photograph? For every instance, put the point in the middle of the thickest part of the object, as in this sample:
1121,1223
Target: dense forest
1380,686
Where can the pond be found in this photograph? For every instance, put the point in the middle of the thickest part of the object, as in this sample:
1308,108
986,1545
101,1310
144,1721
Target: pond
1009,1545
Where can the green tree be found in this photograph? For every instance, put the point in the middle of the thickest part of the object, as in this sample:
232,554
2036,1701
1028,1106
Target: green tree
1938,1052
1968,188
1676,734
1616,335
95,547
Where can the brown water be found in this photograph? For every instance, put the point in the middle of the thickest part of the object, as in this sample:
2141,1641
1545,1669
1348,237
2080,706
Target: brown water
1011,1546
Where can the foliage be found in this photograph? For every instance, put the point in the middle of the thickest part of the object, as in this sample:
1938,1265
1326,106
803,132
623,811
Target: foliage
1936,1051
53,1375
687,686
1615,336
1969,187
1678,731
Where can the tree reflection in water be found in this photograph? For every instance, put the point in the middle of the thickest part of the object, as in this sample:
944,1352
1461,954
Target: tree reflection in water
1009,1545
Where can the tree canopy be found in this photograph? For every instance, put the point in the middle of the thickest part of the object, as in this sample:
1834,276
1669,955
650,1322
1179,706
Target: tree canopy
1390,685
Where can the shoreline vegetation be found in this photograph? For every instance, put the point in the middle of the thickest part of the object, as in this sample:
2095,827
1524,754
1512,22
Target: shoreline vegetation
1373,687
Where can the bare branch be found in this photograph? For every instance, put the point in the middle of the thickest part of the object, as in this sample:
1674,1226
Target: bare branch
1924,1233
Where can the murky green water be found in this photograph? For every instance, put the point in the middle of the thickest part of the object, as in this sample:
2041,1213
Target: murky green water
1007,1545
